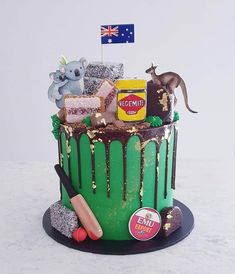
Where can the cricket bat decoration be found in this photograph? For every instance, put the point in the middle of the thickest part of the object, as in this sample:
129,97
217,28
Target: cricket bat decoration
82,209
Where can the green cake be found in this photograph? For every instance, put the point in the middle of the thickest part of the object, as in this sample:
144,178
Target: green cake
119,170
117,142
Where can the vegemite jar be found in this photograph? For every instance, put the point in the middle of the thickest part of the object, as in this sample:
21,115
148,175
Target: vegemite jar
131,100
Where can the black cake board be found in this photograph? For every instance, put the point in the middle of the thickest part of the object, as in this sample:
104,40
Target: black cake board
124,247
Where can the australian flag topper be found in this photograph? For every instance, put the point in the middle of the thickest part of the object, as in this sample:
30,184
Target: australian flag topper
113,34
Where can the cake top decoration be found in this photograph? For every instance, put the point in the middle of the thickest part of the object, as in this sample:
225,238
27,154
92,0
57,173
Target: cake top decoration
171,81
67,80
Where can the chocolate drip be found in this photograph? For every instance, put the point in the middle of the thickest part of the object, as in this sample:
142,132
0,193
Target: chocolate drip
107,168
141,175
156,178
174,158
79,161
107,135
60,162
92,149
124,171
166,169
69,162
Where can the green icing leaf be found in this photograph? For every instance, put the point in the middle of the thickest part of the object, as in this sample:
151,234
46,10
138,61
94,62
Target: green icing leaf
176,116
62,60
155,121
56,126
87,121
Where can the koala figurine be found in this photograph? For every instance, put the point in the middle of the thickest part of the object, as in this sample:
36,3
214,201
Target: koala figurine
70,80
59,80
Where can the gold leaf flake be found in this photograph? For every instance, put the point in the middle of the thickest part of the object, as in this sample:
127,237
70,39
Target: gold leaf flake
70,130
93,185
157,171
103,121
61,159
68,147
141,191
92,148
66,128
167,133
90,134
166,226
164,102
132,130
158,156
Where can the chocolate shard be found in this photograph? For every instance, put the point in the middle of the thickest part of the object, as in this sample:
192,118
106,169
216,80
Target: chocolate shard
143,125
102,119
171,220
119,124
61,115
160,102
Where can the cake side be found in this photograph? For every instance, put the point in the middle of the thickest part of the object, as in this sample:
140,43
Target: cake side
119,170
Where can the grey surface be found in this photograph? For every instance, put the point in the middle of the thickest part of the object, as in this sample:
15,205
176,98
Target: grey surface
206,187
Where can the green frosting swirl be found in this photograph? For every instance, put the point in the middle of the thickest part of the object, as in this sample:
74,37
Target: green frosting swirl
56,126
87,121
155,121
176,116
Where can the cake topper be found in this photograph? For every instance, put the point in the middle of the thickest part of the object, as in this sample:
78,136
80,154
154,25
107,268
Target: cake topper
67,80
171,81
59,80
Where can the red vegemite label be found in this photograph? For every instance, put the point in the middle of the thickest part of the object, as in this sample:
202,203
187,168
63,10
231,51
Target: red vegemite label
131,104
145,223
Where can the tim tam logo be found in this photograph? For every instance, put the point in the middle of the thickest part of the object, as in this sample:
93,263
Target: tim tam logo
131,104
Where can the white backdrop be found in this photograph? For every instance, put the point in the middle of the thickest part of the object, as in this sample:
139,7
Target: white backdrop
193,38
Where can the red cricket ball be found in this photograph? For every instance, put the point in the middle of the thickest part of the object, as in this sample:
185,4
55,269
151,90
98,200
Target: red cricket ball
79,234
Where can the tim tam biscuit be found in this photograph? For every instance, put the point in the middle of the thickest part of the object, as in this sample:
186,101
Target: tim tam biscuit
131,100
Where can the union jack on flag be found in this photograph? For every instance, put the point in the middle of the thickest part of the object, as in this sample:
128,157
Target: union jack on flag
112,34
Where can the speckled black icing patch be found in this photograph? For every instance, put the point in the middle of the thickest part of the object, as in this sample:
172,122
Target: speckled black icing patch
91,84
110,71
63,219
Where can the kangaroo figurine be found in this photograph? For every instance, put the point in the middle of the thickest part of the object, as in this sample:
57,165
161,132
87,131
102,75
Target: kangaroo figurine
171,81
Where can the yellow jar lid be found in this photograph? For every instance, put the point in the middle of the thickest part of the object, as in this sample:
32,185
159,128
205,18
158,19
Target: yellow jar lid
130,84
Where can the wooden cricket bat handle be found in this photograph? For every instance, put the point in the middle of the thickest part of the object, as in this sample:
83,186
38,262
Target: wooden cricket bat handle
86,217
82,209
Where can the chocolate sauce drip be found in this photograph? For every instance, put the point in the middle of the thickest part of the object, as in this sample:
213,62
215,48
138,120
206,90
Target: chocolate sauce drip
59,158
166,169
79,161
107,135
174,158
156,178
107,168
141,175
69,162
92,149
124,171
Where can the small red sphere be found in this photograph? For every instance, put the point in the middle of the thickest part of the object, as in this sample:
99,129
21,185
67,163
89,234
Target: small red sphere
79,234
